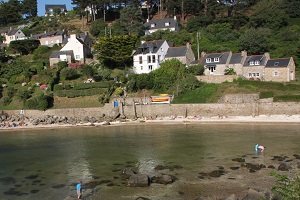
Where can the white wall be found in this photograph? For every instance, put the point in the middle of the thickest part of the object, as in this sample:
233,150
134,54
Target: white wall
76,46
144,67
18,36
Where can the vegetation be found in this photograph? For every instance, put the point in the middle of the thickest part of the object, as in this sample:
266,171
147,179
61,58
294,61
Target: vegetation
287,188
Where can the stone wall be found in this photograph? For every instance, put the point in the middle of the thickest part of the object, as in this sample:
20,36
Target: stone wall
217,78
161,110
239,98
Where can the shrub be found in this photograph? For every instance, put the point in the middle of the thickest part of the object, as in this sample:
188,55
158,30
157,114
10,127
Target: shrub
24,94
266,94
287,188
87,71
69,74
119,91
10,91
39,102
196,70
24,47
5,100
230,71
82,86
187,84
140,81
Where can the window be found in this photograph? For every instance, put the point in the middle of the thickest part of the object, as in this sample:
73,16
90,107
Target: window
216,59
276,64
167,24
150,67
149,59
208,60
250,75
141,68
152,25
275,73
141,60
77,57
212,69
251,62
257,62
253,74
153,58
158,59
257,74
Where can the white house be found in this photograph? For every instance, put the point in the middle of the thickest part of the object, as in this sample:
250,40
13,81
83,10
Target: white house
12,35
149,56
154,25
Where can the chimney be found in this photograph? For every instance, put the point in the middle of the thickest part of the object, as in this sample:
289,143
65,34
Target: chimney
10,28
188,45
244,53
45,32
175,18
72,36
203,54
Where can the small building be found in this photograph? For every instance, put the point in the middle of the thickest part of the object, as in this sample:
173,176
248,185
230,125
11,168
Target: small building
215,63
50,38
154,25
50,9
236,62
184,54
61,56
149,56
254,66
280,70
13,35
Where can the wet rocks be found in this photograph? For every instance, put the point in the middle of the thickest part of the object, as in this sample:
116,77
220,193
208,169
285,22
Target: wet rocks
127,172
297,156
254,195
162,179
279,158
7,180
231,197
139,180
241,160
284,166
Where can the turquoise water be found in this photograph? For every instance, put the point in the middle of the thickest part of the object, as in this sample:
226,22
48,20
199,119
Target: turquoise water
45,164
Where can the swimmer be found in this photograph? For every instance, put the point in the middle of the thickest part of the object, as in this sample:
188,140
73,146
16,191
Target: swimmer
259,148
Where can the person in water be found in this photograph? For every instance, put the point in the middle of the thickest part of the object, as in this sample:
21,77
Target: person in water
79,190
259,148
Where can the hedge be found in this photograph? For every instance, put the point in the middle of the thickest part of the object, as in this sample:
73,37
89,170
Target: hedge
79,93
287,98
83,86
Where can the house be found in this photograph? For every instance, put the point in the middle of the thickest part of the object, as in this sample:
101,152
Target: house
149,56
50,9
51,38
254,66
13,35
236,62
184,54
215,63
154,25
80,50
280,70
61,56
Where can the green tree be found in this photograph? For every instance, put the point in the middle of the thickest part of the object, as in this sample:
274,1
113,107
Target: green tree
10,12
115,51
98,28
24,47
131,20
253,41
29,8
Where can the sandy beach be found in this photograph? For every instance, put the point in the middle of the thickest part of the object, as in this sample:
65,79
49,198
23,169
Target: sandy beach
170,120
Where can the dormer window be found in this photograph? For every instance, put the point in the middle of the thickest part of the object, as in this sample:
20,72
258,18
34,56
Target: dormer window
152,25
251,63
208,60
216,59
257,62
276,64
167,24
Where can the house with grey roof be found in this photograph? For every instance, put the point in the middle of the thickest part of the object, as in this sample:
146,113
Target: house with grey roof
280,70
215,63
61,56
184,54
50,9
50,38
254,66
148,56
154,25
14,34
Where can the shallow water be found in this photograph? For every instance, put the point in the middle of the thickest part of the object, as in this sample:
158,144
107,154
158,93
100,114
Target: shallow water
45,164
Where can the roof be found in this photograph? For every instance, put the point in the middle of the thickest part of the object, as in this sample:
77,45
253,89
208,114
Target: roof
222,58
160,23
148,46
52,6
260,58
13,32
48,34
176,52
280,62
236,58
56,54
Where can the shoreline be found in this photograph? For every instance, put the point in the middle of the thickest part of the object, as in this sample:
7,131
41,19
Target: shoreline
262,119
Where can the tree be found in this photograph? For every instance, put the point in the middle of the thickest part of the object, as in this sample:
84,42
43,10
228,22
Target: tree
98,28
24,47
253,41
30,8
131,20
115,51
10,12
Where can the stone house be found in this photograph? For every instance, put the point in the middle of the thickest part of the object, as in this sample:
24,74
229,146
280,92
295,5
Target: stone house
50,8
61,56
280,70
236,62
149,55
13,35
154,25
80,50
184,54
51,38
254,66
215,63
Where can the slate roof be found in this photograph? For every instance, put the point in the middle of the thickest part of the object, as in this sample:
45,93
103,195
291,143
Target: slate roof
254,58
222,58
48,34
148,46
236,58
12,32
56,54
160,23
52,6
174,52
280,62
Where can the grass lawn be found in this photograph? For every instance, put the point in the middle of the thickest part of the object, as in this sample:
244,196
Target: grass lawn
77,102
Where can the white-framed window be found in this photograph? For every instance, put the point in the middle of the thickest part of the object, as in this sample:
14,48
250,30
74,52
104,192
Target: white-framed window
152,25
141,59
208,60
217,59
150,67
77,57
153,58
251,63
212,68
149,59
257,62
275,73
167,24
257,74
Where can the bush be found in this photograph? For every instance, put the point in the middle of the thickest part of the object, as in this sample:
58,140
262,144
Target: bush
83,86
230,71
266,94
119,91
287,188
10,91
187,84
69,74
38,102
196,70
140,81
24,47
5,100
88,71
24,94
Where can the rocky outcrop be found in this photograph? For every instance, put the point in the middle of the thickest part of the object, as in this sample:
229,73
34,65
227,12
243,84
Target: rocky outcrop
139,180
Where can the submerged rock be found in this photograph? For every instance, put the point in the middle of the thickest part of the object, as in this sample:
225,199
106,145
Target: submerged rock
162,179
138,180
284,166
238,160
